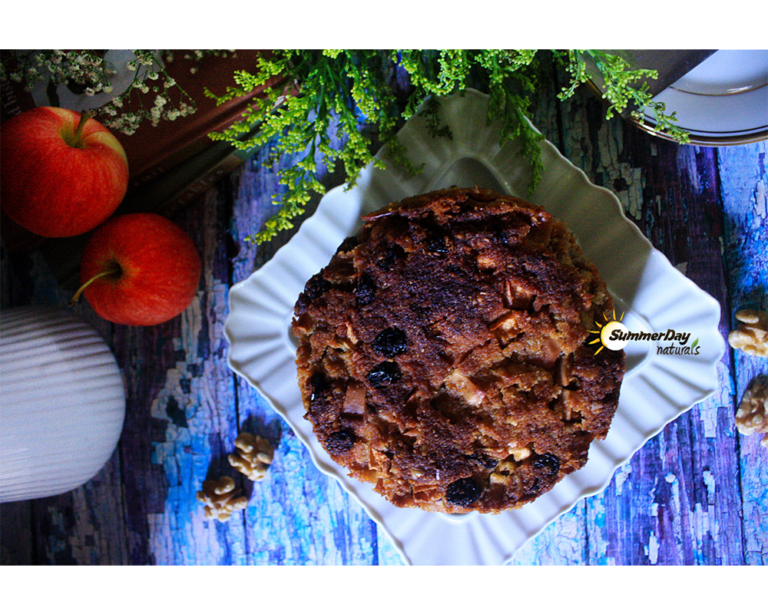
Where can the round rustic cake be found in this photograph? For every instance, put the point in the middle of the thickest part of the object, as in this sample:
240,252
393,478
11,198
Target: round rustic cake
443,352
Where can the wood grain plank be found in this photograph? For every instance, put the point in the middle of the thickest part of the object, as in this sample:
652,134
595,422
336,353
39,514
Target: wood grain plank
16,536
688,227
661,507
83,526
16,540
744,182
191,398
298,515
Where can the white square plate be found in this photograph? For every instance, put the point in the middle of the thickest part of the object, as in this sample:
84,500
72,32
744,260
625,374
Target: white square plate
653,295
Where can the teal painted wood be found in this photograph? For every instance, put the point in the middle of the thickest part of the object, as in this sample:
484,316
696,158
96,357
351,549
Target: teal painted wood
695,494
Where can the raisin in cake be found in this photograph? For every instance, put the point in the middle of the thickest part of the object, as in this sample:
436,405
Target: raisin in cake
443,352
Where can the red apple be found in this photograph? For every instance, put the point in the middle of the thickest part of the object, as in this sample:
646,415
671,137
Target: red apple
139,269
61,176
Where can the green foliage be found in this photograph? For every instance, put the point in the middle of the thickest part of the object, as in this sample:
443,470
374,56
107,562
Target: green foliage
623,87
309,92
349,90
358,94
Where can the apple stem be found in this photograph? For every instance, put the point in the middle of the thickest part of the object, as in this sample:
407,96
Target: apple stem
84,117
113,269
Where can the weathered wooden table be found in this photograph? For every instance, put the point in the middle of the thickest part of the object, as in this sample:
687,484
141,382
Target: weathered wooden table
696,494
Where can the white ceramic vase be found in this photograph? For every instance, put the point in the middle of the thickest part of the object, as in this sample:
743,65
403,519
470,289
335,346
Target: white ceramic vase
62,402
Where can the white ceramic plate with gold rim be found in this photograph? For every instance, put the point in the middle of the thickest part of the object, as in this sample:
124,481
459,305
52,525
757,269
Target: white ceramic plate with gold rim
649,291
723,100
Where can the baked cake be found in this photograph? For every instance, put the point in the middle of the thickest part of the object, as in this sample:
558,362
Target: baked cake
443,352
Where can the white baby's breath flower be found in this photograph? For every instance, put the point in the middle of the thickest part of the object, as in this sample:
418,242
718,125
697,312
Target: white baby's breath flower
94,74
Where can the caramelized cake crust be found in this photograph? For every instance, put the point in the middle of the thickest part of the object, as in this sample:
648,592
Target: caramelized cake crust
442,352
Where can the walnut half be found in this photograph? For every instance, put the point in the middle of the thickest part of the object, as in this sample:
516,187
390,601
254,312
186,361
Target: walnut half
220,498
752,334
253,457
752,416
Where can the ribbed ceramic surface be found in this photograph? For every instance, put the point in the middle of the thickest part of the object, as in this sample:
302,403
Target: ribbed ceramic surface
62,402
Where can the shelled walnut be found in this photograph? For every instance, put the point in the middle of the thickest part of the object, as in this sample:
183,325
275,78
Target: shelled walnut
752,416
253,457
220,498
752,334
